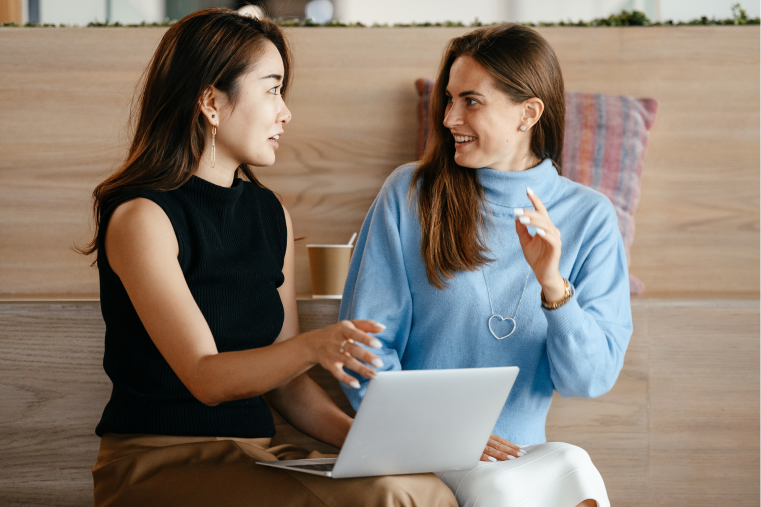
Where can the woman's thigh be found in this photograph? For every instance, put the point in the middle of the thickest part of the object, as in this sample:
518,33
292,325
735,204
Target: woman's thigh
554,474
224,473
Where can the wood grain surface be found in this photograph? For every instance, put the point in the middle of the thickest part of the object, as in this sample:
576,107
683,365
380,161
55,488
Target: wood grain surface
680,427
66,94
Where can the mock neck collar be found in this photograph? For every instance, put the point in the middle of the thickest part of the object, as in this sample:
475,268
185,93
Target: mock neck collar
213,193
507,189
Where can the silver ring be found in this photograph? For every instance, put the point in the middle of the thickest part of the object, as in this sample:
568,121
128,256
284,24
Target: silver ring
343,344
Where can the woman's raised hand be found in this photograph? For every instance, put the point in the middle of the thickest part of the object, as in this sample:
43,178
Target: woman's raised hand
542,251
499,449
337,346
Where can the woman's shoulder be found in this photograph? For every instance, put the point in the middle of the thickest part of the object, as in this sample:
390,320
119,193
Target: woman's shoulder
584,198
594,210
399,180
394,194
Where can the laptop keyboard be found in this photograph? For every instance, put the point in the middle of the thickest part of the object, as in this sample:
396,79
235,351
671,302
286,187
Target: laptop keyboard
318,467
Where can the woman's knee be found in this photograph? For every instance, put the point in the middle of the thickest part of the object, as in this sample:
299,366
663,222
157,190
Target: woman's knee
413,491
573,456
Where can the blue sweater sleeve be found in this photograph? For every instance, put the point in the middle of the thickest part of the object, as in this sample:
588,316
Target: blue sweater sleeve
376,285
588,336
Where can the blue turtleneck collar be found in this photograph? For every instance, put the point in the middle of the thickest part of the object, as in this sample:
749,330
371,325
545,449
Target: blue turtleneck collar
508,189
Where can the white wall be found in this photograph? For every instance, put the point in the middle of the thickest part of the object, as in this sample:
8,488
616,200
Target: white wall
81,12
407,11
685,10
136,11
420,11
71,12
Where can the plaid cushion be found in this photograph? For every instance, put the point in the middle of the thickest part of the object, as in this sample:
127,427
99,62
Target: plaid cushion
606,139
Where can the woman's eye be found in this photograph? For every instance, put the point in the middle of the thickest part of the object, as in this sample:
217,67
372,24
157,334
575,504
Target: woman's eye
471,102
275,90
449,99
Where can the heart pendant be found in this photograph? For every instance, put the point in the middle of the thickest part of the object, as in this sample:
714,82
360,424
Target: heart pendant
502,319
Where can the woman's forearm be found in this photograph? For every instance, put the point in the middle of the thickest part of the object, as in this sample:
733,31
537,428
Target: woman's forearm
228,376
308,408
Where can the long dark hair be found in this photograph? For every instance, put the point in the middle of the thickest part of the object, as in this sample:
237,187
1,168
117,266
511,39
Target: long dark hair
214,47
450,198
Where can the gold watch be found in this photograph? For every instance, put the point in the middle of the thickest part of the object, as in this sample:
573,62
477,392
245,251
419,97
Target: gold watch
557,304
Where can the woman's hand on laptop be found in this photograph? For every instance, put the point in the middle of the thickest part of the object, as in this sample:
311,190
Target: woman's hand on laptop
337,346
499,449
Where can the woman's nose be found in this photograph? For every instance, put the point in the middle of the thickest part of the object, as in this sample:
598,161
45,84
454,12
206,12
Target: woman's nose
285,115
452,118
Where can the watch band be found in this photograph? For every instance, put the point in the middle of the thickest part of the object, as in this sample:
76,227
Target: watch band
557,304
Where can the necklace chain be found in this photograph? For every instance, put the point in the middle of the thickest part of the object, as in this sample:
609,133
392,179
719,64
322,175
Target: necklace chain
491,305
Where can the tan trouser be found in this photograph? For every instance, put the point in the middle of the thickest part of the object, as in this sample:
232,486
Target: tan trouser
146,470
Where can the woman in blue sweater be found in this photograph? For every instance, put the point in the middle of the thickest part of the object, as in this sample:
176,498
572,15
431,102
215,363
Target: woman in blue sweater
461,257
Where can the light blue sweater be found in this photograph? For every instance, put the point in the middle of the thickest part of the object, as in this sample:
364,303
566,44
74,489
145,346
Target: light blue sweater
577,349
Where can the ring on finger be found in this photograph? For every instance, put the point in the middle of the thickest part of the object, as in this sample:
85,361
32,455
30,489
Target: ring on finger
343,344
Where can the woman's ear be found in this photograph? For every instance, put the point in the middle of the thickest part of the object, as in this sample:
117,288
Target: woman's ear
532,111
210,101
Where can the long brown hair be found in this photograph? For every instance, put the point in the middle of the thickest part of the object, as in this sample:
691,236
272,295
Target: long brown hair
213,47
450,198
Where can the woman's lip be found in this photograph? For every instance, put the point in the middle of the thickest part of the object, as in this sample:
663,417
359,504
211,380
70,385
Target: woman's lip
273,142
456,144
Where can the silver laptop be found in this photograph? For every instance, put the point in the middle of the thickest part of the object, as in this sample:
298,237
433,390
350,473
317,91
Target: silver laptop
417,421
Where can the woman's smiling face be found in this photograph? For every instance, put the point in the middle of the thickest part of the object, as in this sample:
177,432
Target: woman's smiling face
248,131
483,121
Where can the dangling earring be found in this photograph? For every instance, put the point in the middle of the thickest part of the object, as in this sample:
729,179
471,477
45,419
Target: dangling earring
213,148
523,128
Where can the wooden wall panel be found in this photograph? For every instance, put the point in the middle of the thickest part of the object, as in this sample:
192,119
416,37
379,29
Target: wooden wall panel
10,11
680,427
66,94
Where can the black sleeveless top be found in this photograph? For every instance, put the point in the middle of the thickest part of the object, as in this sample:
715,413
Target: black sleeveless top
232,245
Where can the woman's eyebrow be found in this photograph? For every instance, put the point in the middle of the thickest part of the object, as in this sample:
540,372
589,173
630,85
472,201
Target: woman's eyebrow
273,76
471,92
464,94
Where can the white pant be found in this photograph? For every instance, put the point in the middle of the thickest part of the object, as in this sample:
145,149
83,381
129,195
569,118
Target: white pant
549,475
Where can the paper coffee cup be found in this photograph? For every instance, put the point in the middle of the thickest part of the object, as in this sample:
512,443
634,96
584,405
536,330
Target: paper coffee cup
328,267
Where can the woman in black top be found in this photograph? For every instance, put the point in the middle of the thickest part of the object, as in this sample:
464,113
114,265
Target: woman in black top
198,295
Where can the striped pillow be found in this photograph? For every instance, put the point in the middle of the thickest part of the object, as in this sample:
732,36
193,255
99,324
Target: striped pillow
606,139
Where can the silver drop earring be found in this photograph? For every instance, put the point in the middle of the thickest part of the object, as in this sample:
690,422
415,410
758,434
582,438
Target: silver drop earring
213,148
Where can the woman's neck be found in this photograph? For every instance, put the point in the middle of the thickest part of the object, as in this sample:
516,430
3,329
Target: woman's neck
223,172
517,162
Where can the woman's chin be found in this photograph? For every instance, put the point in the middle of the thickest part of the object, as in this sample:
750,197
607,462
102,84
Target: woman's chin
262,161
465,161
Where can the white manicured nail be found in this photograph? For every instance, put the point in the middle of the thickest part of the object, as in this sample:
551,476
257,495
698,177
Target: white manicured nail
529,191
491,458
377,363
540,232
510,456
518,211
378,324
354,384
376,344
521,453
524,220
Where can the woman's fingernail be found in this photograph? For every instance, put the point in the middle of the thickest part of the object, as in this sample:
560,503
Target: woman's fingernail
524,220
541,232
371,374
376,344
491,458
510,456
354,384
377,363
518,211
378,324
529,191
521,453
